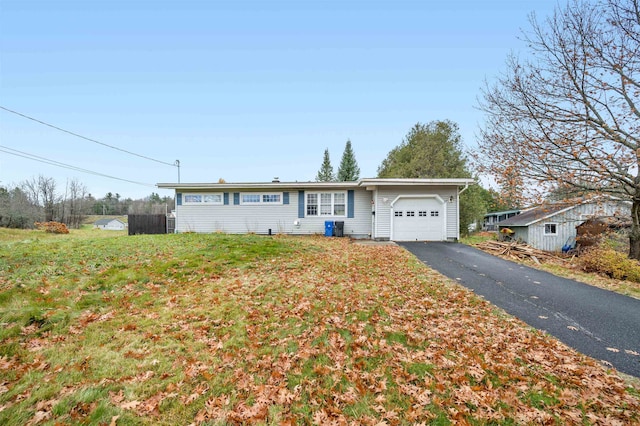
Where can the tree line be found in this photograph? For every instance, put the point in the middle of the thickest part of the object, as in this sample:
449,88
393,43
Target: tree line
42,199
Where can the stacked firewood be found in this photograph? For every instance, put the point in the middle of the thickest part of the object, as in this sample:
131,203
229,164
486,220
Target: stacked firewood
517,250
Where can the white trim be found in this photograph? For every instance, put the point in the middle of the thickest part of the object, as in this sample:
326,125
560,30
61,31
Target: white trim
319,204
420,196
374,214
317,186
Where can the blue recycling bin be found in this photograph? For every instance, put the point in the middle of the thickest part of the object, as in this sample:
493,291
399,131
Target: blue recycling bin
328,228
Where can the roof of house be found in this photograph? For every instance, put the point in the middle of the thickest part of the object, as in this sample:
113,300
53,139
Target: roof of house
537,214
106,221
368,182
531,216
502,212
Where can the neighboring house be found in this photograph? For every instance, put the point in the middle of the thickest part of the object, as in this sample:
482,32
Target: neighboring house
381,209
491,219
550,227
110,224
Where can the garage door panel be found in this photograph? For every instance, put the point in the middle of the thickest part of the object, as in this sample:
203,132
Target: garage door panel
418,219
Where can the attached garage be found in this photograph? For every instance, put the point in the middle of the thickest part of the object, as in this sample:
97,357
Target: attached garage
418,218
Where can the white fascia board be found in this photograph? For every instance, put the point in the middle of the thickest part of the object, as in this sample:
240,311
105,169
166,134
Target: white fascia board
415,182
257,185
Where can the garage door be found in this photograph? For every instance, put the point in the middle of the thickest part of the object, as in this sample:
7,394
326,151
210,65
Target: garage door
418,219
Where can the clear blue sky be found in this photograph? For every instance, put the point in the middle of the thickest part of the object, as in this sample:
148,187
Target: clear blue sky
240,90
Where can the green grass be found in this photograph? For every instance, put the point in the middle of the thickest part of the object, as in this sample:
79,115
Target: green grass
221,329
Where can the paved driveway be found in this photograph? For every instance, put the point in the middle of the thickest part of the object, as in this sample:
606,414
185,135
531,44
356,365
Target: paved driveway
599,323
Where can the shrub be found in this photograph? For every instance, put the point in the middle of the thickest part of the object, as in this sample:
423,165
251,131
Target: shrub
605,260
53,227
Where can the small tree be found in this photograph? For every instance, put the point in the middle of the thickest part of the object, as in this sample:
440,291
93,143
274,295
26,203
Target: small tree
348,170
325,174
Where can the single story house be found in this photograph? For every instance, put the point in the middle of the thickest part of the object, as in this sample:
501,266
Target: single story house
491,219
381,209
552,226
110,224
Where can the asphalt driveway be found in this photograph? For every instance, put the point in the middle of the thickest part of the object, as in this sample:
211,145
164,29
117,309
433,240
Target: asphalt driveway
599,323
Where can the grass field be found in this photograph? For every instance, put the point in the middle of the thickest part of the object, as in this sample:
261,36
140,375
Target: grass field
101,328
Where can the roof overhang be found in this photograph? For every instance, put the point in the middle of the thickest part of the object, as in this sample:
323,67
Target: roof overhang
369,184
256,185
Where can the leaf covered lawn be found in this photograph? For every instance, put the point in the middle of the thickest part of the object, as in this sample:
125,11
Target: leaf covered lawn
217,329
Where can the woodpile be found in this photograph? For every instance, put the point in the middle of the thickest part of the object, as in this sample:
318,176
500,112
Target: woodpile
517,250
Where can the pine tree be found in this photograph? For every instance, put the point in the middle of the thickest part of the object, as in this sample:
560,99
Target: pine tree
348,170
325,174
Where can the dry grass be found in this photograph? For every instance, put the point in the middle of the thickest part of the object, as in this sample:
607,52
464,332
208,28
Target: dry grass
217,329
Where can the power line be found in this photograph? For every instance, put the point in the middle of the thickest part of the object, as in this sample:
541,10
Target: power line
88,139
33,157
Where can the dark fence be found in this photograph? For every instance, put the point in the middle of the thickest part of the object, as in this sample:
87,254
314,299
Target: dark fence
147,224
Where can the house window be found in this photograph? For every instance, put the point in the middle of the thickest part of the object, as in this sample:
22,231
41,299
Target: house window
339,206
215,198
550,229
435,213
411,214
397,214
271,198
257,198
326,204
422,214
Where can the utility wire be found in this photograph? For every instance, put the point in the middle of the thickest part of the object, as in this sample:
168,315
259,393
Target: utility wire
86,138
33,157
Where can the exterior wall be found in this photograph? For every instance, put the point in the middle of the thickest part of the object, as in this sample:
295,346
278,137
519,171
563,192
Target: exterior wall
385,196
114,225
520,233
280,218
566,224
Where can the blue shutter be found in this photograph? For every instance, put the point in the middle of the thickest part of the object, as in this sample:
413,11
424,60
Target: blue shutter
301,204
350,203
179,198
225,196
236,198
285,198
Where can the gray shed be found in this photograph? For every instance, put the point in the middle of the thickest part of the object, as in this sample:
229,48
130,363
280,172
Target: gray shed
551,226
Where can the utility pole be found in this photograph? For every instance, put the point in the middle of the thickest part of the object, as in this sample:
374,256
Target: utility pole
178,166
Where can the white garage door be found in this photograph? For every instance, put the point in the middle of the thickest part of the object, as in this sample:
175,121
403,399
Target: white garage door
418,219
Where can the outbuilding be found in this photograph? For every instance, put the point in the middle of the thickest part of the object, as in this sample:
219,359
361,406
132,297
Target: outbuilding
380,209
110,224
552,226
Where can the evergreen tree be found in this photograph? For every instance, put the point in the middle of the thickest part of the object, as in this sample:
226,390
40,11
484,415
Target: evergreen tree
325,174
348,170
434,150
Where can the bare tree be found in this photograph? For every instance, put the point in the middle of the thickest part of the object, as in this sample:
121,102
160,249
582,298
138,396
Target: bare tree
77,197
569,117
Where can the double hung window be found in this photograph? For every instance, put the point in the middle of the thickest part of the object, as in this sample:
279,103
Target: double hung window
326,204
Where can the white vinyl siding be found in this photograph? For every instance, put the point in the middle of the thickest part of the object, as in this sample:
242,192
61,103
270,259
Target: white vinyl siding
280,218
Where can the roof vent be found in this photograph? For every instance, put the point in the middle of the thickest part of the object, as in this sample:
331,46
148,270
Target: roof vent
276,179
